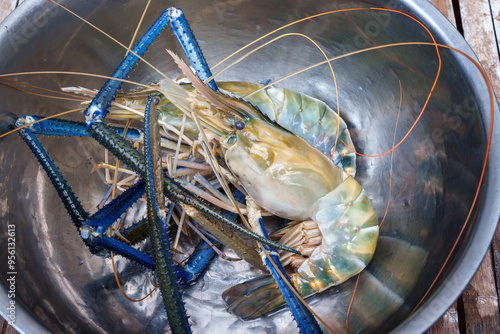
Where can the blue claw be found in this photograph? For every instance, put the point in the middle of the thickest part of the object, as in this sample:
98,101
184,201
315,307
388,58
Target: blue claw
55,127
303,317
62,127
98,108
78,215
185,36
126,251
165,271
110,213
89,226
199,261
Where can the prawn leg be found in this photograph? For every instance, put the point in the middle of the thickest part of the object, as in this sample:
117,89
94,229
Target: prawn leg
303,317
98,108
157,221
87,225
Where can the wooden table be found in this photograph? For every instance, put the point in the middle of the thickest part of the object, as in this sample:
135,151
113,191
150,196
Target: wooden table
476,311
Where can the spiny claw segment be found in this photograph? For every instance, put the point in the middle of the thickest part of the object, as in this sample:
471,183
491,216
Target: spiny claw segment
185,36
62,127
98,108
125,251
165,272
135,160
302,315
87,225
71,203
106,216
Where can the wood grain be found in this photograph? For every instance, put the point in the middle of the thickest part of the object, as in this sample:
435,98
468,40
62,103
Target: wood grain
6,6
496,257
448,323
446,7
495,15
481,296
479,32
481,301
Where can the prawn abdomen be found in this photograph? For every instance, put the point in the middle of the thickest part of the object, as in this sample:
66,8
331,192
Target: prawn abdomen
349,230
349,227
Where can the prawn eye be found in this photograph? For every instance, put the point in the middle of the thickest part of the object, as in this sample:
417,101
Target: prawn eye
239,125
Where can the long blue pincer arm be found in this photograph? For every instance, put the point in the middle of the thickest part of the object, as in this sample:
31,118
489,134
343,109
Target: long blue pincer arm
73,206
78,215
87,225
110,213
62,127
185,36
98,108
303,317
165,270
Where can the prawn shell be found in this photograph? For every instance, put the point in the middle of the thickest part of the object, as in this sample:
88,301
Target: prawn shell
350,231
307,117
282,172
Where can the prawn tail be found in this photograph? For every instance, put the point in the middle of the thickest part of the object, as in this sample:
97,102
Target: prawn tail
302,314
257,297
253,298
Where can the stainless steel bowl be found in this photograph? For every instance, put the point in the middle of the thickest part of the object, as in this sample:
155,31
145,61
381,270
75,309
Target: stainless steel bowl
428,251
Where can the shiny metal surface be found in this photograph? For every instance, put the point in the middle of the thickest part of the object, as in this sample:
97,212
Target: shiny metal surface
62,288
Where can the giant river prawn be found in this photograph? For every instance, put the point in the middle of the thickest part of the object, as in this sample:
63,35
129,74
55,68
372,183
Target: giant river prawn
224,154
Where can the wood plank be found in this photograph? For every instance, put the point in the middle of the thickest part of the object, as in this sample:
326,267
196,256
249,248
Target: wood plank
481,297
448,323
481,301
480,34
6,328
446,7
10,330
495,11
6,6
496,255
